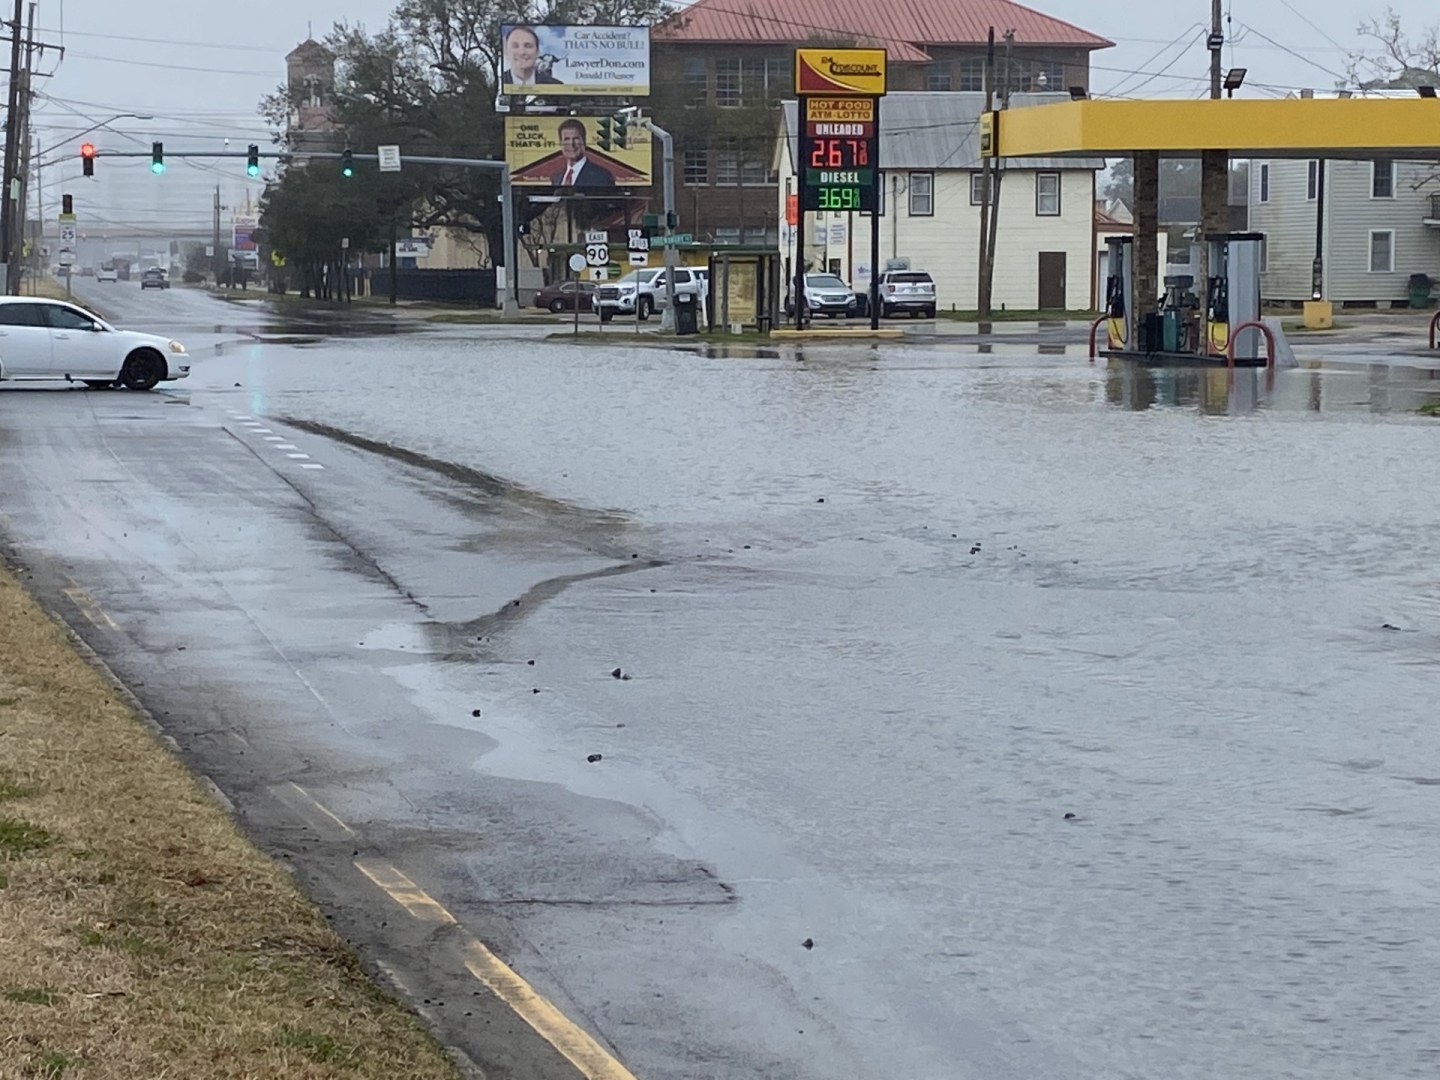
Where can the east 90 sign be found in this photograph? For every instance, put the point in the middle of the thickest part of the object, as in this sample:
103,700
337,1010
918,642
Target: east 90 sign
838,154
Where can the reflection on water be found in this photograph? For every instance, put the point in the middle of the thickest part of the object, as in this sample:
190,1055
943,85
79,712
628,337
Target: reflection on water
1378,388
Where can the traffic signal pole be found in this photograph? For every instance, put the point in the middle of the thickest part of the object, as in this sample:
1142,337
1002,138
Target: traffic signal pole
667,179
510,301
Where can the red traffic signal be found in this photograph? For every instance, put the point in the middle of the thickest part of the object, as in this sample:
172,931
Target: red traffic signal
87,158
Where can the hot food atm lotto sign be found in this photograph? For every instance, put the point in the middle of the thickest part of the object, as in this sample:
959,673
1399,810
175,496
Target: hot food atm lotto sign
839,147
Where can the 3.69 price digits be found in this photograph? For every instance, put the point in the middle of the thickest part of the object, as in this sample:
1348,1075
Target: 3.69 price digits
839,153
839,198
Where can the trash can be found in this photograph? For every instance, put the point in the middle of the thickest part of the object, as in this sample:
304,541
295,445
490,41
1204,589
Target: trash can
1420,286
687,313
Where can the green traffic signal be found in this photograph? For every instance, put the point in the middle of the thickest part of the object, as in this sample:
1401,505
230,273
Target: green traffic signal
347,162
157,158
252,166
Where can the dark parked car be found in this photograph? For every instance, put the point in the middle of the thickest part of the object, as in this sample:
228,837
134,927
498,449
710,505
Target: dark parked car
566,296
154,278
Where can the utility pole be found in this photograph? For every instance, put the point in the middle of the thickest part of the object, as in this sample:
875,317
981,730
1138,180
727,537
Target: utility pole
15,254
216,248
982,282
12,134
1216,42
1214,166
998,178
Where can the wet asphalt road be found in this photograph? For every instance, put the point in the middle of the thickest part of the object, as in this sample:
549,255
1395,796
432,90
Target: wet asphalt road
1155,600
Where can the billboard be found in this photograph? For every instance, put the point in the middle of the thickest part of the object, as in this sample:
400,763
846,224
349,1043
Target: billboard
575,60
840,71
243,227
561,152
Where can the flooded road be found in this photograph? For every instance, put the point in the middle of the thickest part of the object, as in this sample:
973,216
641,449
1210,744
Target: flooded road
911,711
918,607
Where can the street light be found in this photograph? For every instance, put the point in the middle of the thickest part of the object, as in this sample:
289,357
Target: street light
1234,78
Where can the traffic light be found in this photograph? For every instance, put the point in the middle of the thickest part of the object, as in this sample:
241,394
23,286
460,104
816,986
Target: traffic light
252,166
613,132
157,158
87,158
347,162
67,204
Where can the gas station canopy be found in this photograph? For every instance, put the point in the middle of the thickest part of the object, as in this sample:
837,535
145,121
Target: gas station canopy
1333,128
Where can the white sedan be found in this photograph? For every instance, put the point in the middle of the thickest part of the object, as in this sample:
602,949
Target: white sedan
52,339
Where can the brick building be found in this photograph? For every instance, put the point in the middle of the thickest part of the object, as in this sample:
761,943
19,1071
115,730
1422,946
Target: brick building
722,66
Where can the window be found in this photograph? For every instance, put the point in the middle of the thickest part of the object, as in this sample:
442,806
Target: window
65,318
1018,77
1265,183
1047,194
977,189
750,81
697,167
754,169
1312,182
1050,77
922,194
1382,251
1382,180
697,81
756,236
727,163
21,315
937,76
779,72
727,234
972,75
727,83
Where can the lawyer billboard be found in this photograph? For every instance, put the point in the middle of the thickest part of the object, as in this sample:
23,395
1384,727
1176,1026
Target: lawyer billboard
564,152
587,61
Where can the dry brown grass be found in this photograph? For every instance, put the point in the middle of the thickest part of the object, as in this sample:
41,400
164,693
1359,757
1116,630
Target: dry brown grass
141,935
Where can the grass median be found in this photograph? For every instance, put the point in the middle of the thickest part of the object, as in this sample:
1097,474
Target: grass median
141,935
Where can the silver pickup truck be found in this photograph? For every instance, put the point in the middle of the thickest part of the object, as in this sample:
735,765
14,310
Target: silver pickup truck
642,292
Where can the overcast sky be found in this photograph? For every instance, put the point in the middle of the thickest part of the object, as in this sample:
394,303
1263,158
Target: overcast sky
199,68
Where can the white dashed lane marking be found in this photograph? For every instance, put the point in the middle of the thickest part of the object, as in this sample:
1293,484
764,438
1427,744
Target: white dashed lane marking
256,427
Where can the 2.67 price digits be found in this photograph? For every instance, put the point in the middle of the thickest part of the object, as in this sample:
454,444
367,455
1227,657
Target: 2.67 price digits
839,198
839,153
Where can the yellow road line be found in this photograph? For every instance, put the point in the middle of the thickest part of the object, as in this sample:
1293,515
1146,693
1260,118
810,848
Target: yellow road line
90,608
573,1043
321,807
403,891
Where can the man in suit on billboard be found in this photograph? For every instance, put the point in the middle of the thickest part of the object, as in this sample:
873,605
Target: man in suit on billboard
579,170
522,54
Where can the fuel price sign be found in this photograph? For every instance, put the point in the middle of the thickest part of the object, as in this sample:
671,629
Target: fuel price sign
839,154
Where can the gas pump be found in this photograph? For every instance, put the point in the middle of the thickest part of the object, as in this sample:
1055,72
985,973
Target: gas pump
1120,292
1232,292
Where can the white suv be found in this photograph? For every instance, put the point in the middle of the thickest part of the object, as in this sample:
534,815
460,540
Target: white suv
689,281
107,273
907,290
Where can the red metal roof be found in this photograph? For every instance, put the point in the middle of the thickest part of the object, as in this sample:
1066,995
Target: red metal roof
904,27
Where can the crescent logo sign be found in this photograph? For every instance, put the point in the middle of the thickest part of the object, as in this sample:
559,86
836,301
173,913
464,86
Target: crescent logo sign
840,71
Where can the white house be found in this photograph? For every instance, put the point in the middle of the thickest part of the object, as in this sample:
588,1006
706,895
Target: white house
930,156
1379,223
